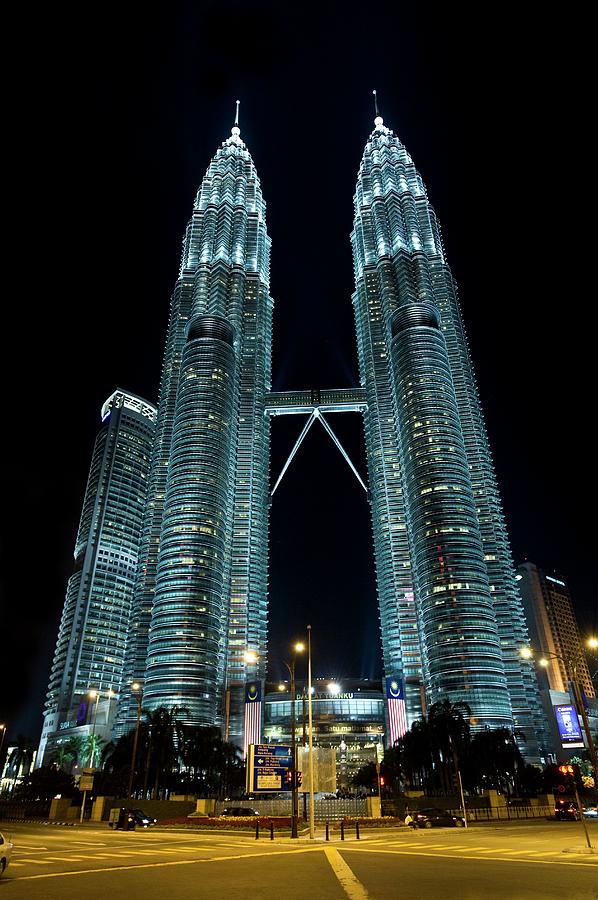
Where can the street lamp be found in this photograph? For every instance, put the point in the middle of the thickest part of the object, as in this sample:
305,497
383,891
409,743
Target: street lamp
298,648
95,695
570,664
137,692
311,749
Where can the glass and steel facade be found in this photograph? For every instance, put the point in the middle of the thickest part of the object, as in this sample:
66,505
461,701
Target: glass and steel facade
399,260
351,720
200,601
90,649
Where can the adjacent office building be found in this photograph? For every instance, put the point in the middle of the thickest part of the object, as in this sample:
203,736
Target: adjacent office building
90,649
553,629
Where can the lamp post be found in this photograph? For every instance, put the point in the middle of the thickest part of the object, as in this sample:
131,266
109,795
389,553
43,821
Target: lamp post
94,695
570,664
298,648
3,729
311,749
137,692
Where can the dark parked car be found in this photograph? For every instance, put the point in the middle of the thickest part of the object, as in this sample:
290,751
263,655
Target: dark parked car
566,810
239,811
129,818
432,816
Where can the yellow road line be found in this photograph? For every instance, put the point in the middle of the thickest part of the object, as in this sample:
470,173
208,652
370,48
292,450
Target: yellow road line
351,886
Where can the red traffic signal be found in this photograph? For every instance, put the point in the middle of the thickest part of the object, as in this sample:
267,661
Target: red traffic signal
299,778
289,776
567,770
382,779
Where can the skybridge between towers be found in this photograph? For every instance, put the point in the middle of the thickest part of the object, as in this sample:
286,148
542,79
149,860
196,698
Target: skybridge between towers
315,403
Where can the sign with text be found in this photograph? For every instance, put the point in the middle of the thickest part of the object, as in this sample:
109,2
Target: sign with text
568,725
267,767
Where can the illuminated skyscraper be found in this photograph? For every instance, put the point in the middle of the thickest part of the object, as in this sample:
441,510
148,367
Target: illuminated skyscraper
553,628
451,616
90,650
200,602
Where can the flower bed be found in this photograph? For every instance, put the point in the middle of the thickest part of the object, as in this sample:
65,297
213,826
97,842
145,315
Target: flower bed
226,822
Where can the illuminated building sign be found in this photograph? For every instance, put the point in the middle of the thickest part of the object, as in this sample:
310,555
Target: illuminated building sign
568,724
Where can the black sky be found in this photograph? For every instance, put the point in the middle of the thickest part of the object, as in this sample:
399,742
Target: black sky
113,121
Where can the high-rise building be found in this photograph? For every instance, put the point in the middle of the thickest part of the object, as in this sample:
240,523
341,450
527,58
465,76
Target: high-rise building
553,629
201,597
451,616
90,649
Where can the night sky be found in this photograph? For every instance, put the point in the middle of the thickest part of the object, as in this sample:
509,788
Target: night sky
112,122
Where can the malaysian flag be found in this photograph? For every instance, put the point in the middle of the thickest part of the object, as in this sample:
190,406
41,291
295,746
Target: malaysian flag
397,717
252,729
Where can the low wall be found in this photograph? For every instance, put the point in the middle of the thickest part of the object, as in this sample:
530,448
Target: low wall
158,809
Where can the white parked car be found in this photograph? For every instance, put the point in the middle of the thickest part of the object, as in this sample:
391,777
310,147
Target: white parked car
5,852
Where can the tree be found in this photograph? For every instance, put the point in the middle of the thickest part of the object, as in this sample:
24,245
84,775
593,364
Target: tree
367,777
91,750
45,783
21,757
166,739
212,766
62,758
494,760
449,739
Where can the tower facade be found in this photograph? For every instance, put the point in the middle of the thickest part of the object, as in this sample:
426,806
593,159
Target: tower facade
451,617
90,650
200,600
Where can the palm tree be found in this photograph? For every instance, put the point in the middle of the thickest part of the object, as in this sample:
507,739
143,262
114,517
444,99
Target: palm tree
21,758
495,759
166,740
450,736
91,749
63,758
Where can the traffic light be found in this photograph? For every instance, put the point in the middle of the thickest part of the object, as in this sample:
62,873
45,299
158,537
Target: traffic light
568,773
299,776
289,777
382,781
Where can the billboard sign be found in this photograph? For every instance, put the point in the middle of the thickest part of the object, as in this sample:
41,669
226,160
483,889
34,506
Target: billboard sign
568,725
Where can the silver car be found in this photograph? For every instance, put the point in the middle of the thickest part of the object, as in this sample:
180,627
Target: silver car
5,852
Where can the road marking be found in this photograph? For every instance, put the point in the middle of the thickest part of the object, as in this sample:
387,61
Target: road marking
539,862
178,862
31,847
351,886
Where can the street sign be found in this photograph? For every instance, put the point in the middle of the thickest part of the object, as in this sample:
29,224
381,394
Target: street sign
267,767
86,783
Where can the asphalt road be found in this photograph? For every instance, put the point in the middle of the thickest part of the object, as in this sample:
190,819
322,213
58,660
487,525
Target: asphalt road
533,860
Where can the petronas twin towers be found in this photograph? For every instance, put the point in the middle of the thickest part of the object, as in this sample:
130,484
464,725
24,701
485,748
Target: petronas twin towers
451,617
